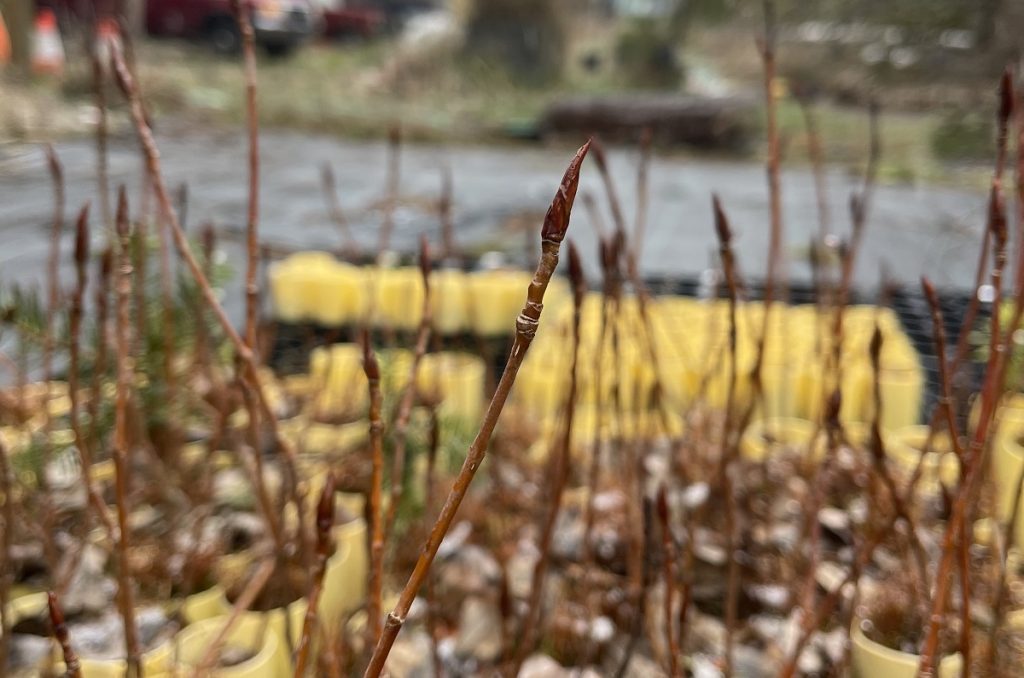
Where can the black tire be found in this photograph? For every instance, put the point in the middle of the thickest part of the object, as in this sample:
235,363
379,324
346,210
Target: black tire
223,36
279,50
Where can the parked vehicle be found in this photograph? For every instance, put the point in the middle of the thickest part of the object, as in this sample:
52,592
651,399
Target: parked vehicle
347,19
279,25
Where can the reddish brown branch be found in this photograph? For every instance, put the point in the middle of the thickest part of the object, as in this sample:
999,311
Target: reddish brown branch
74,367
337,214
72,667
122,464
374,604
669,569
401,424
560,461
324,524
726,452
127,84
556,222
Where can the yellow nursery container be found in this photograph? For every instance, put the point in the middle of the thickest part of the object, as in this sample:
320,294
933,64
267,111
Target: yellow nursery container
1007,465
449,301
250,634
454,379
495,300
904,447
874,660
398,293
338,380
765,436
340,295
294,284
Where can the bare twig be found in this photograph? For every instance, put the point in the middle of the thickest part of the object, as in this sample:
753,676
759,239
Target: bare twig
946,405
560,460
391,197
77,304
444,208
642,195
334,208
100,97
374,604
122,466
128,86
767,49
669,568
72,668
556,222
252,589
404,413
726,452
324,524
973,458
6,543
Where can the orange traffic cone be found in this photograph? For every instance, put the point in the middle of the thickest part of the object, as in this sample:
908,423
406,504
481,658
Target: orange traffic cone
107,35
47,49
5,43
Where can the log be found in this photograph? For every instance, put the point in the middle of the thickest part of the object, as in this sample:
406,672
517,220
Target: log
701,122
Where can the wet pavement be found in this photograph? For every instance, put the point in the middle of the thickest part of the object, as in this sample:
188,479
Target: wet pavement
911,231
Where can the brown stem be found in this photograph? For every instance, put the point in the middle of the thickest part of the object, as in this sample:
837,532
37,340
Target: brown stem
817,157
102,301
391,197
374,604
100,97
669,568
429,500
642,195
445,213
772,163
72,667
128,86
973,459
726,453
560,458
6,543
556,222
324,523
334,208
946,406
244,602
126,595
401,424
75,326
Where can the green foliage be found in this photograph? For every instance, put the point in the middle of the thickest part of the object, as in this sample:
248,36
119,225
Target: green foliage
646,55
964,135
525,36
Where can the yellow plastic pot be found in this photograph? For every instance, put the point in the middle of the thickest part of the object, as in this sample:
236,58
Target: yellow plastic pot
250,633
456,380
1007,465
205,605
154,661
904,449
874,660
338,379
340,297
344,581
399,298
315,438
765,436
495,300
295,282
449,301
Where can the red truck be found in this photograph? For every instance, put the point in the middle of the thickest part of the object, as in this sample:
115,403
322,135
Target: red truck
279,25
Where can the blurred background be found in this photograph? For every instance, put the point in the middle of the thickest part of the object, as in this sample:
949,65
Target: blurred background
495,91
